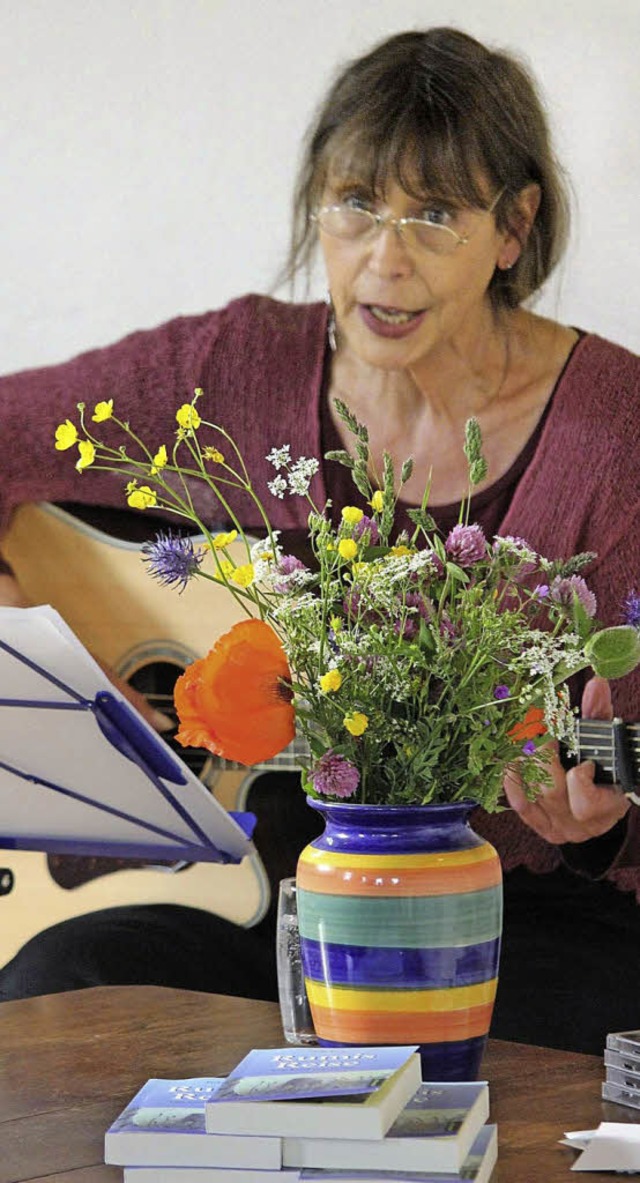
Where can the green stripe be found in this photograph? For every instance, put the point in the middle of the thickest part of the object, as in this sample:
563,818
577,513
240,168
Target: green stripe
409,922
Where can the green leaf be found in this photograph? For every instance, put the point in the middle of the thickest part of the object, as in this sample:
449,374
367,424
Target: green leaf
456,572
614,652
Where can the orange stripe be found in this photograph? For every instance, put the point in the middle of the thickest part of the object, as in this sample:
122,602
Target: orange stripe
401,1028
410,881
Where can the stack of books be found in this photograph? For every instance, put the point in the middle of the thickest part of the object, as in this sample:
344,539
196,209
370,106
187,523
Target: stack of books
622,1065
307,1115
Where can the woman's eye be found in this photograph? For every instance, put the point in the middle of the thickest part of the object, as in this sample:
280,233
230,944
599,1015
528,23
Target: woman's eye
356,201
437,215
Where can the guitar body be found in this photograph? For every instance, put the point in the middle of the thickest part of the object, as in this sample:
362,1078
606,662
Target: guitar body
148,634
100,586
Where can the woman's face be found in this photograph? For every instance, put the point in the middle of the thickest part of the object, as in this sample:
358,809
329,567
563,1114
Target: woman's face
396,301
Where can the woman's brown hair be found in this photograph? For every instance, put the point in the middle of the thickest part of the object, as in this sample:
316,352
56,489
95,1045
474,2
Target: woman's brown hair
442,115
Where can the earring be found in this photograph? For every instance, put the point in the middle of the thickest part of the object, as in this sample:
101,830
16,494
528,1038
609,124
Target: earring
331,325
509,263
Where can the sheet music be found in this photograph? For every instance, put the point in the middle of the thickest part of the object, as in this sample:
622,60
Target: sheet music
96,799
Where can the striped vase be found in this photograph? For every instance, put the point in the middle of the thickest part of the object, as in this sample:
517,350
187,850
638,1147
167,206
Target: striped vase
400,914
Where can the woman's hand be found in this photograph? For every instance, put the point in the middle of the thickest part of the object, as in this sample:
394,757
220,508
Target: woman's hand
572,808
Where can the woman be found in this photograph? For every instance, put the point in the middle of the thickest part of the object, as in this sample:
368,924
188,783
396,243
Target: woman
430,184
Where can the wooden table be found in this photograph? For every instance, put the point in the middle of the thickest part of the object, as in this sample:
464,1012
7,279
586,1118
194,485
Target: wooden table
70,1062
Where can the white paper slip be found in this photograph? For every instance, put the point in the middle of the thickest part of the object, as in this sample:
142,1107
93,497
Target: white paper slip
614,1146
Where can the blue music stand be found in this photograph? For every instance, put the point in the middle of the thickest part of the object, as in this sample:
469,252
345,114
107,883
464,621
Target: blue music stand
81,772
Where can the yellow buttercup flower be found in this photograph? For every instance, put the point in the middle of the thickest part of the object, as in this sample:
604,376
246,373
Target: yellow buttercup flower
400,551
66,435
226,568
377,501
356,723
142,498
347,548
352,515
188,418
243,576
103,411
160,460
331,681
87,454
220,541
214,455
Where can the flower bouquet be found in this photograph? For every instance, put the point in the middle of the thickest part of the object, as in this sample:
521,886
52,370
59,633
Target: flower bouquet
416,667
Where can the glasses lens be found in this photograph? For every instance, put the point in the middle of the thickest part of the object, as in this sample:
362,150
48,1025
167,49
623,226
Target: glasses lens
344,222
425,236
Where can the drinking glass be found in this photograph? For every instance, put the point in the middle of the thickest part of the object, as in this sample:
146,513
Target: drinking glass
297,1024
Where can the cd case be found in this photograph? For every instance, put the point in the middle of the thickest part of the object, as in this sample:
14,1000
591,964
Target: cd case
621,1094
624,1041
625,1063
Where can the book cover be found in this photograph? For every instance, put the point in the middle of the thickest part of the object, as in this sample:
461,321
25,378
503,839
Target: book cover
163,1125
354,1092
477,1167
434,1131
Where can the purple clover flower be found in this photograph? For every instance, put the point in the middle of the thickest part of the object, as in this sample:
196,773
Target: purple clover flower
287,566
631,610
562,591
370,526
501,691
172,559
466,545
335,776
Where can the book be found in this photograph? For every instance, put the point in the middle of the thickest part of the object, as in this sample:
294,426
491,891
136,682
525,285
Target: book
319,1092
163,1125
477,1167
435,1130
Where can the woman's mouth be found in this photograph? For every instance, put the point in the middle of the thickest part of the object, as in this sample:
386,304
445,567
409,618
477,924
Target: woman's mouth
386,321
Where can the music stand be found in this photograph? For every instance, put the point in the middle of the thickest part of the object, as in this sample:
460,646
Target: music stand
81,772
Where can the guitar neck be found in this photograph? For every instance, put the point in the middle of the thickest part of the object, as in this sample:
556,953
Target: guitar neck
615,749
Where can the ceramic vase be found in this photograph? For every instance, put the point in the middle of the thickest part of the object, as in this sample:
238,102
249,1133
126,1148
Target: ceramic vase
400,914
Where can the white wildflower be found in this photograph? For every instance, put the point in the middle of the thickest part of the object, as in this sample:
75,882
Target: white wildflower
280,457
301,475
278,487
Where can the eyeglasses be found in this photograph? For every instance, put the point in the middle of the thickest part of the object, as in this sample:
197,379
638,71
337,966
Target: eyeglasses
353,222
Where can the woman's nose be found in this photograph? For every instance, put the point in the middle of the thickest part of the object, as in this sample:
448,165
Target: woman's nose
389,255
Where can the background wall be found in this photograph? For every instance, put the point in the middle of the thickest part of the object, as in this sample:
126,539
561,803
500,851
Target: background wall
149,147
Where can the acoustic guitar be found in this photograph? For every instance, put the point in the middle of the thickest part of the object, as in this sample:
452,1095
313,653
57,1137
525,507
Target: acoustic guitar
93,574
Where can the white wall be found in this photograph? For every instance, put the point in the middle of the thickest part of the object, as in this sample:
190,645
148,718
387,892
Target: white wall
148,149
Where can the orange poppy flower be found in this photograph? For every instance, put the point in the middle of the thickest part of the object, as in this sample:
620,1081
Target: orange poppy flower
235,701
532,725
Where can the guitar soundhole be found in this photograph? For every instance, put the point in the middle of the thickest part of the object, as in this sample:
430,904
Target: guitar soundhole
156,681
